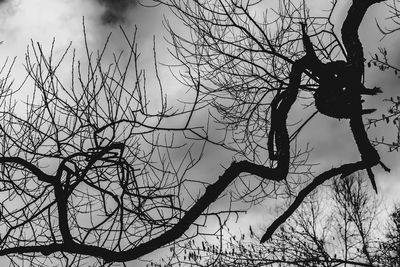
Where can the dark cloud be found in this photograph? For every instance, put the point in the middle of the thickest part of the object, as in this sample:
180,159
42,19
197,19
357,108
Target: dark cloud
116,10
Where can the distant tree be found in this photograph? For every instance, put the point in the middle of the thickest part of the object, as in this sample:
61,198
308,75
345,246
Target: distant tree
336,226
91,169
390,246
356,216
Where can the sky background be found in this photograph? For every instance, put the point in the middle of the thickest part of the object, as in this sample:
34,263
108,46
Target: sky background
42,20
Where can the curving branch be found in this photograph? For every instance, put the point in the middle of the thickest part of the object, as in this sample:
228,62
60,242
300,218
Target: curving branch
212,193
343,171
98,158
42,176
350,37
369,155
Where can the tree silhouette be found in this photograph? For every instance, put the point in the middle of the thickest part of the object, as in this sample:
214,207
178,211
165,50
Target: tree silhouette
390,247
335,226
116,193
250,67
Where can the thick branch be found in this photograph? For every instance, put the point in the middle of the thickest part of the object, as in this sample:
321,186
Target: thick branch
350,36
343,170
369,155
42,176
280,107
213,191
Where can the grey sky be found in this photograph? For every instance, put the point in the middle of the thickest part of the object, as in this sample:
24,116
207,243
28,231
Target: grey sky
41,20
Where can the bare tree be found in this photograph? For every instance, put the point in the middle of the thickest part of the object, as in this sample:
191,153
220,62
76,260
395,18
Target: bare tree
336,226
357,221
253,71
85,163
390,246
116,192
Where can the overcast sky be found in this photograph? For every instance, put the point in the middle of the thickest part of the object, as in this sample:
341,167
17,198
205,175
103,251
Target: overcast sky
43,20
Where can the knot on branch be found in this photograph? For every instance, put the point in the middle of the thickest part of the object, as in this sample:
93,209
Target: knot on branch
340,87
337,95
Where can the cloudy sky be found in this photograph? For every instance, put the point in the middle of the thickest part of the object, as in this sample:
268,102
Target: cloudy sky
42,20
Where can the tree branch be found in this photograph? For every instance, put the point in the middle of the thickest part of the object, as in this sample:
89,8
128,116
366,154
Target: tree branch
42,176
343,170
